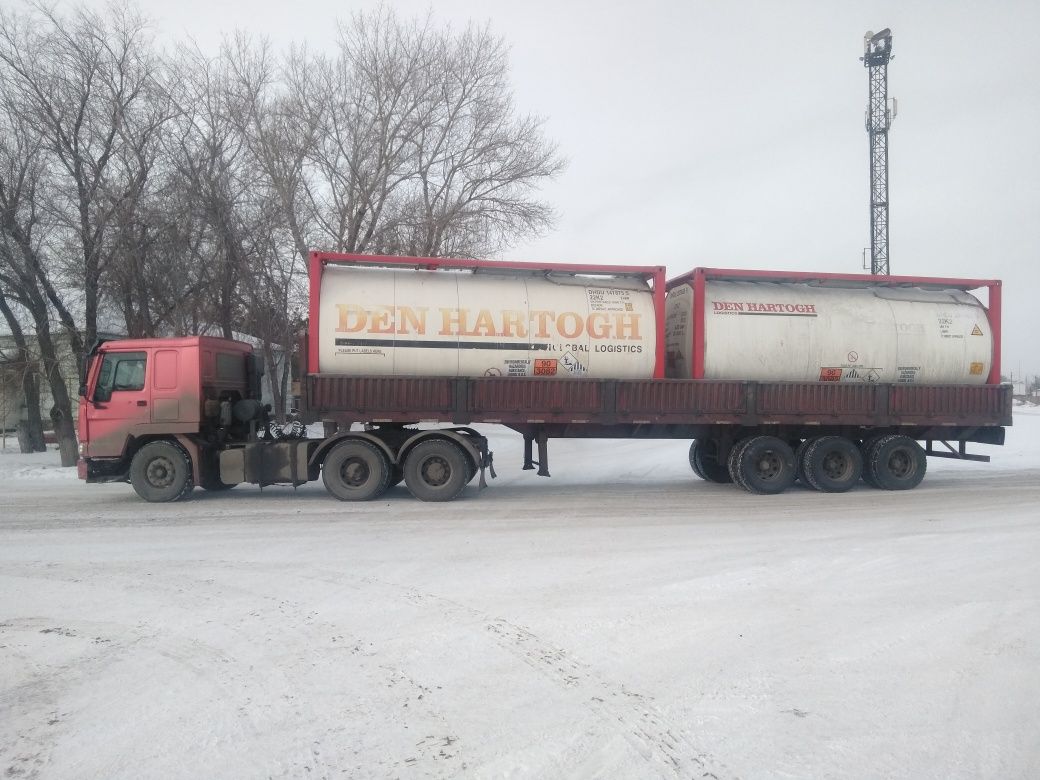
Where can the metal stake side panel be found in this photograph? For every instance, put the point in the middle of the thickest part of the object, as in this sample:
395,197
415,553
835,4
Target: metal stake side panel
522,401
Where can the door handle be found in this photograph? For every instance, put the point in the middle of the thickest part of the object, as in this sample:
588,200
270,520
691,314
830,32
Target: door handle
142,403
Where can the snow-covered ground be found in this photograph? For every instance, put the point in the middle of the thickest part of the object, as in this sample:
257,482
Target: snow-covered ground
620,620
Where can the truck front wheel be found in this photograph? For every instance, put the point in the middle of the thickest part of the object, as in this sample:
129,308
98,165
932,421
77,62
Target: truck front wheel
161,471
437,470
356,471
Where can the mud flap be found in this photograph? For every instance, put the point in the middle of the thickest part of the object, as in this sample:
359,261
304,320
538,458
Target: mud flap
487,461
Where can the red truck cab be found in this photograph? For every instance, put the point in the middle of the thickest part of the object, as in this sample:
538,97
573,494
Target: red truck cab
139,392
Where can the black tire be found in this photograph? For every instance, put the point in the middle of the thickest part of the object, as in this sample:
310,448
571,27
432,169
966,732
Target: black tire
765,465
704,459
866,450
897,463
694,462
161,471
799,456
733,461
832,464
437,470
356,470
216,486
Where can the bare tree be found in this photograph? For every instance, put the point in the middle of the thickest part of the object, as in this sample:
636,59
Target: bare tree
21,364
419,147
23,277
477,162
85,83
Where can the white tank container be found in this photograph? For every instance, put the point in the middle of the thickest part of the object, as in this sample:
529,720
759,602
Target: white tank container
780,331
457,323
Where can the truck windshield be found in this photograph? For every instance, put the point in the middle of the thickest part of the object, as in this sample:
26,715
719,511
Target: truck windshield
120,371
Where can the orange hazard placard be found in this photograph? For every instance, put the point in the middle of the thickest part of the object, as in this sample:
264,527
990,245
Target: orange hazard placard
830,374
976,369
545,367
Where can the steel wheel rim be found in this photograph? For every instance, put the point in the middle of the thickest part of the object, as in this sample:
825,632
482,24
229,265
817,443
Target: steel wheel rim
769,465
901,465
837,466
435,471
354,472
160,472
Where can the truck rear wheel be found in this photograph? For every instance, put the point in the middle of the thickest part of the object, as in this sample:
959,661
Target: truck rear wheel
436,470
356,471
765,465
831,464
161,471
897,463
704,460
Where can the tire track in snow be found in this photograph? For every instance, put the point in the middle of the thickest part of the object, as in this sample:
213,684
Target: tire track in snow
643,725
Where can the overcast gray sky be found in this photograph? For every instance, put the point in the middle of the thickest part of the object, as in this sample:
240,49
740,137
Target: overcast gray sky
731,133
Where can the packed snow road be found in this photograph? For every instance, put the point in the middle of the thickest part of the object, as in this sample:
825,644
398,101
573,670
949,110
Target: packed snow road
620,620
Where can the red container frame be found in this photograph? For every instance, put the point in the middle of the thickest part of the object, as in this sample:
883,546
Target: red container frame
698,276
654,274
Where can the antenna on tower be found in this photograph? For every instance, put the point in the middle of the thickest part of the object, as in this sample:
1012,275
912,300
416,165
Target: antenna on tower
877,51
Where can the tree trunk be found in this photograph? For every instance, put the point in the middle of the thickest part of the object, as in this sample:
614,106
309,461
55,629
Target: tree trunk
32,438
61,412
65,431
33,422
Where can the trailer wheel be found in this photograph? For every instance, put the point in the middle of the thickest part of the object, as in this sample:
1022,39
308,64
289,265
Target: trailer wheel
866,449
694,463
897,463
831,464
799,456
436,470
161,471
766,465
733,461
704,460
356,471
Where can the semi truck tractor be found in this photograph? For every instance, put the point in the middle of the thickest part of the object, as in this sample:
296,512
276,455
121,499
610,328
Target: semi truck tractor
831,379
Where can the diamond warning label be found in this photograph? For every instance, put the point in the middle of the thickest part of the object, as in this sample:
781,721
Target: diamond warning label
976,331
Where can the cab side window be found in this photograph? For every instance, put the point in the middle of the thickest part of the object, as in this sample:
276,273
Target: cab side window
120,371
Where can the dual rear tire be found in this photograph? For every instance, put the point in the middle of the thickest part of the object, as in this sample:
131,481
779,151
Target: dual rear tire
434,470
894,462
830,464
705,462
763,465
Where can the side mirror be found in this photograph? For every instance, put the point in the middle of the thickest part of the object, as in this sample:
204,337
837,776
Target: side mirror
102,395
83,391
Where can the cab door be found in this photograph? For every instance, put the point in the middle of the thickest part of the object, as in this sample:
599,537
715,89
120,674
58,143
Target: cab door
119,404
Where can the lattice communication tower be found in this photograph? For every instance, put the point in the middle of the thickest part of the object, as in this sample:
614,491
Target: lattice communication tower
877,51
